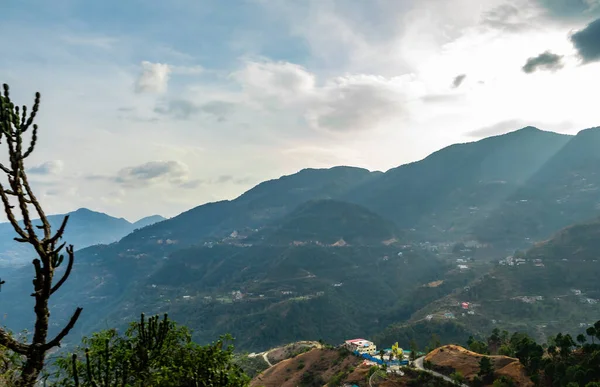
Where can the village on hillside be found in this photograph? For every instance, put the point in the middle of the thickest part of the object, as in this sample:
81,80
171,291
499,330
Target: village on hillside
392,358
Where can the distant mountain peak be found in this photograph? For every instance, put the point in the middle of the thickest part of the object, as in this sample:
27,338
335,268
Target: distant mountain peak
531,128
82,210
148,220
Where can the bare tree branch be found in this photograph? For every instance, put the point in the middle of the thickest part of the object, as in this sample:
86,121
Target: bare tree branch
14,122
65,331
9,214
6,340
67,271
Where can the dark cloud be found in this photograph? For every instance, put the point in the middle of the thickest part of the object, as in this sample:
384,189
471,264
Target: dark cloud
570,9
505,17
153,172
587,42
458,80
48,168
184,109
544,61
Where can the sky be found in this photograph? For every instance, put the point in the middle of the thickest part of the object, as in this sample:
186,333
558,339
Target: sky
155,107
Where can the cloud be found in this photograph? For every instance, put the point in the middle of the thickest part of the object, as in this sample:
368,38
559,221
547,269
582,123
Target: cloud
458,80
151,173
570,9
346,103
544,61
153,79
192,184
53,167
281,80
223,179
184,109
507,17
587,42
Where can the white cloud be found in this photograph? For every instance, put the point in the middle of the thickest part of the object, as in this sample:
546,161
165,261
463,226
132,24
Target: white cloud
370,85
153,79
351,102
53,167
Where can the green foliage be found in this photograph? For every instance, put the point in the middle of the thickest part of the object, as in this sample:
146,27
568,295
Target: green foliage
251,366
477,346
156,352
457,378
422,333
503,381
564,363
337,379
486,370
10,363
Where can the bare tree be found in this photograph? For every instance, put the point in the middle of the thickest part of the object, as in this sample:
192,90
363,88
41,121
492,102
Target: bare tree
14,123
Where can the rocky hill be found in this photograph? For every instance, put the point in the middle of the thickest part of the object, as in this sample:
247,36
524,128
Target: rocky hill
452,358
316,367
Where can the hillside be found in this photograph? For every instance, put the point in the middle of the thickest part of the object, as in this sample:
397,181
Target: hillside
465,191
551,287
314,368
580,242
269,295
328,222
258,207
452,358
454,188
85,228
337,367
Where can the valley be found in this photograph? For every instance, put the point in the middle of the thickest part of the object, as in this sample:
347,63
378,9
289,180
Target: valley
421,253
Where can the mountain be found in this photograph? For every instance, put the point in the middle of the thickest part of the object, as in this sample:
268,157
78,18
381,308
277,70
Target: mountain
507,190
85,228
549,288
148,220
563,191
327,222
455,188
580,242
263,293
257,207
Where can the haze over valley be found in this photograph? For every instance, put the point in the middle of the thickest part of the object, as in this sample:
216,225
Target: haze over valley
318,179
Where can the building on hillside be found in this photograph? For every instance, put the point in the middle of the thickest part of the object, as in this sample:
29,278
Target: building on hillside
361,346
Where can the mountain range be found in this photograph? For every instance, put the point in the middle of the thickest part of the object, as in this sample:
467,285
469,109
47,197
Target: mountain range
85,228
339,252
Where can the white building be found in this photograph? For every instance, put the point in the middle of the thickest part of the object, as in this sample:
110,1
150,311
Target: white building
361,346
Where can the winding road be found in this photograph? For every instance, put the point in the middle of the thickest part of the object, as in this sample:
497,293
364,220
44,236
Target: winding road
418,363
264,355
